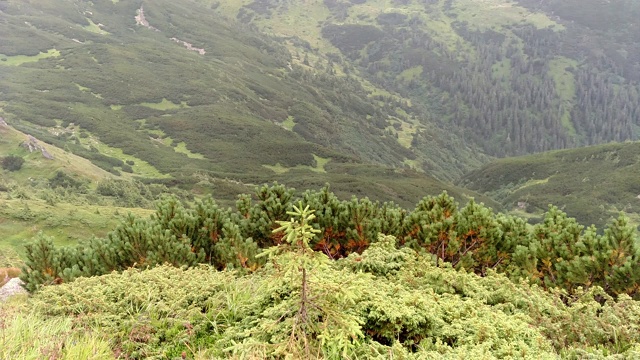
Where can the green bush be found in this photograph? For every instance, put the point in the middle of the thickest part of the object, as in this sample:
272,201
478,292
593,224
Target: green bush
556,253
12,163
383,301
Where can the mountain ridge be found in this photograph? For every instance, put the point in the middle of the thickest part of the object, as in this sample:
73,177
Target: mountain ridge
593,184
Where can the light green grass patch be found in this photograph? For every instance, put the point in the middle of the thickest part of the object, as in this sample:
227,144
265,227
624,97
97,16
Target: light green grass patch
115,107
277,168
140,166
181,147
319,168
320,163
159,136
21,220
411,73
95,28
413,164
289,123
405,133
22,59
156,135
82,88
532,182
565,88
486,14
86,89
27,335
165,105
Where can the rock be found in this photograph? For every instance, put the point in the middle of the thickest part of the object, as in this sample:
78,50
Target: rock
32,145
46,154
2,122
13,287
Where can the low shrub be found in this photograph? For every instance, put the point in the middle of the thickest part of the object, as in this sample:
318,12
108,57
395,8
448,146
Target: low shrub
12,163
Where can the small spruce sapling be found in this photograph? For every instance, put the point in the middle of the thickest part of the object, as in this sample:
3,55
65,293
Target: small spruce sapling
319,321
298,233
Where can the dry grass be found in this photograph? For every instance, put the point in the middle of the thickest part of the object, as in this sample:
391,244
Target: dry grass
7,274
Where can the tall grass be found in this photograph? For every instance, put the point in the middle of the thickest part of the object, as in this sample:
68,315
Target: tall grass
25,335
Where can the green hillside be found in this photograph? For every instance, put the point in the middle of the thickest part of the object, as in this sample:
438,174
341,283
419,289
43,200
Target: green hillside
115,97
71,199
57,195
183,90
510,77
592,184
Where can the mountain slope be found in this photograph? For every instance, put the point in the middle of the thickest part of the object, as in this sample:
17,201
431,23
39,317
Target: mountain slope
27,209
42,159
509,77
167,90
591,184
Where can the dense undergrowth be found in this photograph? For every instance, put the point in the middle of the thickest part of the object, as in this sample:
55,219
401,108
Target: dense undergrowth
205,282
384,303
558,252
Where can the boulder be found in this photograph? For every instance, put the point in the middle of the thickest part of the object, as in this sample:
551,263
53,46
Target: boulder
13,287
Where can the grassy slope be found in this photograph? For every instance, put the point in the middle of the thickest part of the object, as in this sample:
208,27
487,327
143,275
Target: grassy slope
592,184
131,94
24,215
37,165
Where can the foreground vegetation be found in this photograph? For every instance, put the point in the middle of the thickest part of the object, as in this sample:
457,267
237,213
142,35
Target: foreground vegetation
357,94
558,252
442,282
387,302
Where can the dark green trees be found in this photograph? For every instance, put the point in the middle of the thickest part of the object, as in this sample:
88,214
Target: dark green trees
12,163
556,253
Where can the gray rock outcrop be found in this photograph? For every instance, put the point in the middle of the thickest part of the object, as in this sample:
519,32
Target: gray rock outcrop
32,145
13,287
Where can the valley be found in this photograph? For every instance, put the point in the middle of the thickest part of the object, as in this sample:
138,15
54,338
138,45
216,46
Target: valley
320,179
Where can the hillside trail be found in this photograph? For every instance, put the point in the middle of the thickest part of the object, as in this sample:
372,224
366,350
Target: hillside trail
142,21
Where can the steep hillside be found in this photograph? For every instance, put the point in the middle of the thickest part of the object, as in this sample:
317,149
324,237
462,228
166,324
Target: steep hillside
512,77
173,86
54,192
592,184
41,159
